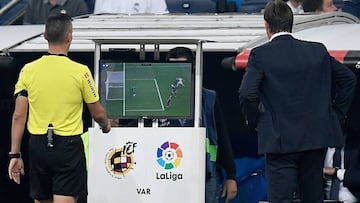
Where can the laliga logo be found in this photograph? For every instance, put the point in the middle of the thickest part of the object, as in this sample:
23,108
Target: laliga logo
357,66
169,156
120,161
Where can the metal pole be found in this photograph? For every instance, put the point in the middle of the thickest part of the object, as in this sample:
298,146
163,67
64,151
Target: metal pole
198,84
97,53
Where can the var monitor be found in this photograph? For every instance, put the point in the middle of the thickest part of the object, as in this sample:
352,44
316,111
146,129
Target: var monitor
147,89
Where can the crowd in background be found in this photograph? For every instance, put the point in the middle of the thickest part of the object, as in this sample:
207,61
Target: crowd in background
36,12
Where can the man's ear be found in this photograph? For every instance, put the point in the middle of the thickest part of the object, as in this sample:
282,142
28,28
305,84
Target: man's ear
267,28
45,36
68,37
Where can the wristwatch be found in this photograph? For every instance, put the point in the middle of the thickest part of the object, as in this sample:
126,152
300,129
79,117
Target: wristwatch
15,155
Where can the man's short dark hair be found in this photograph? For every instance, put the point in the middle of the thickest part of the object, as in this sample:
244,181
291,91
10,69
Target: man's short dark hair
312,5
180,52
56,28
279,16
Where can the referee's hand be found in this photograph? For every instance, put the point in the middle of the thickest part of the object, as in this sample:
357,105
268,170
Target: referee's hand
16,168
107,128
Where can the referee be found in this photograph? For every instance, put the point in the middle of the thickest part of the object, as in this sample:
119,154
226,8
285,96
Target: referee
53,89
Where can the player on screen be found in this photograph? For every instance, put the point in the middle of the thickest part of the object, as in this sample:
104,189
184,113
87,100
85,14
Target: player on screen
173,90
179,81
133,91
168,101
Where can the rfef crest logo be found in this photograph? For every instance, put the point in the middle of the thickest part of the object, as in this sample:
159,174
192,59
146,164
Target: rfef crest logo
120,161
169,155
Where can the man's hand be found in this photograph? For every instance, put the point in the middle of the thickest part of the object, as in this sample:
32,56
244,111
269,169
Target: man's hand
16,168
230,190
329,171
107,128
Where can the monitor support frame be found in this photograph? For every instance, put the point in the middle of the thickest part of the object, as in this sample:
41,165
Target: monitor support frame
156,42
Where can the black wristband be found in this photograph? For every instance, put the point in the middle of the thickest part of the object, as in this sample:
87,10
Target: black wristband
14,155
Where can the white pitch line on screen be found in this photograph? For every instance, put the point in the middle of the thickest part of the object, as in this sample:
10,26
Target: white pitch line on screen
144,110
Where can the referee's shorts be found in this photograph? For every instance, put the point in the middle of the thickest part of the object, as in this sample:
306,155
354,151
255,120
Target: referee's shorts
60,170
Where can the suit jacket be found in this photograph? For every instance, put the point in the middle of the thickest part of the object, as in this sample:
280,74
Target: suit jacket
288,85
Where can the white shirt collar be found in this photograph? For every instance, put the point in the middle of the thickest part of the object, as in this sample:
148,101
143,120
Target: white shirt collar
279,34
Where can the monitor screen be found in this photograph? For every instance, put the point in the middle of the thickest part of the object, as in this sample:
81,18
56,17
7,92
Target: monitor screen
147,89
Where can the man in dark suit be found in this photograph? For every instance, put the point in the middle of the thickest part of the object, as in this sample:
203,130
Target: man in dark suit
287,96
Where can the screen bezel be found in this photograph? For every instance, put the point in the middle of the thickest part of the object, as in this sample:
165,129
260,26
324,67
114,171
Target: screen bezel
149,116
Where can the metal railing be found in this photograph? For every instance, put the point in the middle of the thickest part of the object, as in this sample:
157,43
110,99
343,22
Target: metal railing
8,6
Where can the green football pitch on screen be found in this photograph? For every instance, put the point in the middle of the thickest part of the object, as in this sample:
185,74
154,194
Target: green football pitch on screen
146,90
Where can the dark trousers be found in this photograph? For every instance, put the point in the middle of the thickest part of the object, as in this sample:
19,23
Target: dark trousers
290,172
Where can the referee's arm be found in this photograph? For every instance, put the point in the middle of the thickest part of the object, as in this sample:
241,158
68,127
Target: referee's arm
16,165
99,115
18,122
